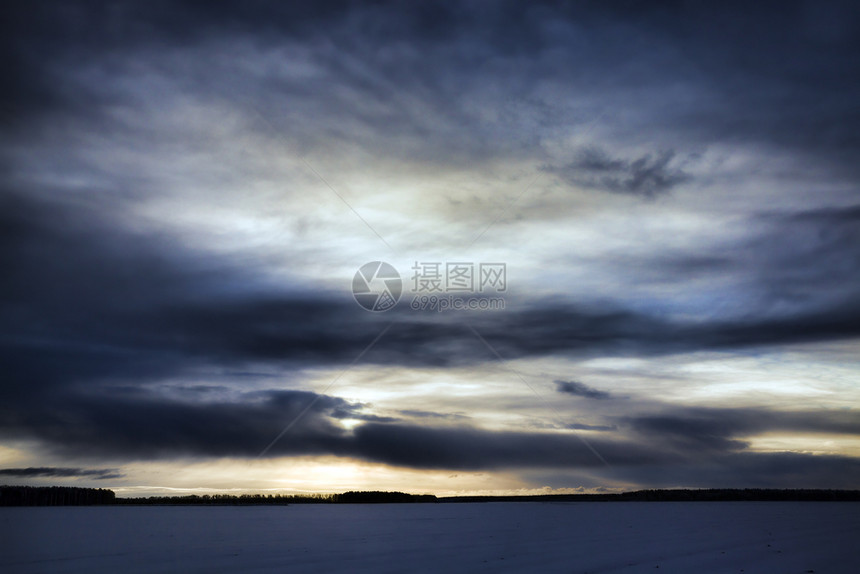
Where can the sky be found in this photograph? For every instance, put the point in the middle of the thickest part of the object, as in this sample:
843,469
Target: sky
623,240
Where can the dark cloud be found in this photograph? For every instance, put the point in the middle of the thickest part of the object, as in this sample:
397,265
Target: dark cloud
734,470
149,426
146,425
56,472
808,258
581,426
647,176
789,267
556,328
84,302
38,44
474,449
419,414
782,74
739,421
702,431
580,390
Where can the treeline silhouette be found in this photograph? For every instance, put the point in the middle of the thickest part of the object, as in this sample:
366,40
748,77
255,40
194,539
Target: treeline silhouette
69,496
369,497
351,497
680,495
54,496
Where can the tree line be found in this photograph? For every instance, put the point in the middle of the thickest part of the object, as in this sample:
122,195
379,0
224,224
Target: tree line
357,497
54,496
680,495
73,496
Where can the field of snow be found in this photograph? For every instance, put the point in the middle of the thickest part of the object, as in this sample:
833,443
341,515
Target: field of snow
749,537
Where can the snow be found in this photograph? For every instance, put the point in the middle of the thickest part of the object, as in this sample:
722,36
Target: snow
779,537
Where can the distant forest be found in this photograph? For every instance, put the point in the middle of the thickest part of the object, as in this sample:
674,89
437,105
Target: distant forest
682,495
70,496
352,497
54,496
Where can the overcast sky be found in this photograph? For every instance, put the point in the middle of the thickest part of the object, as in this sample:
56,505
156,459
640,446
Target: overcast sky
188,189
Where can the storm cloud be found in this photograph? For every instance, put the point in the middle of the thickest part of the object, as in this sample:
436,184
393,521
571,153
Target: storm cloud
54,472
706,446
646,176
580,390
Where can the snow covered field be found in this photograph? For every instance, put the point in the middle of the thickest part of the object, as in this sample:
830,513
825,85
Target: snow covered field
750,537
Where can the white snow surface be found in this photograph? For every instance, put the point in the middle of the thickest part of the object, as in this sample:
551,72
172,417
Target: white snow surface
570,537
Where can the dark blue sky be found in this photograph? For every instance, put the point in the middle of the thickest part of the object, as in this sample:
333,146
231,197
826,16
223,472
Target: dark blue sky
187,190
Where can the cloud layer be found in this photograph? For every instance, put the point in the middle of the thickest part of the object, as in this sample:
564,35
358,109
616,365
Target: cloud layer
53,472
186,191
